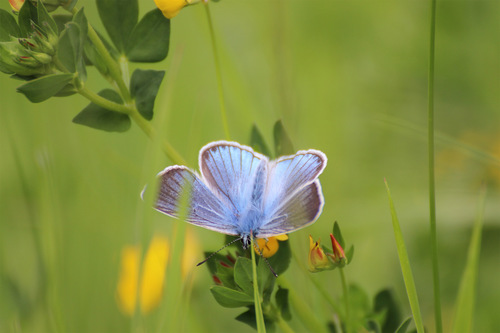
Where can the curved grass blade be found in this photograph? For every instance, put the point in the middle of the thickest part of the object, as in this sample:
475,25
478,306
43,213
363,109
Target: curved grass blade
259,316
405,266
465,300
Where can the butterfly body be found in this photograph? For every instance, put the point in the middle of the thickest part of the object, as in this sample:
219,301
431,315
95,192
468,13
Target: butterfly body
241,193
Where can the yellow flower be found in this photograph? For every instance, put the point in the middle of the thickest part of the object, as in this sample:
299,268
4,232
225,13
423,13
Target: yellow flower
170,8
16,4
318,261
269,246
144,288
151,281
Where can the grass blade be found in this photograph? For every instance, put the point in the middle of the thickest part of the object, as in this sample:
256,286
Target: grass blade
259,316
405,266
466,294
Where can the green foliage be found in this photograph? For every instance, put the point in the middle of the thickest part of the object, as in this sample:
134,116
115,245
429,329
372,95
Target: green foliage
8,27
149,41
231,298
100,118
27,15
144,86
282,142
257,141
466,299
43,88
405,265
119,18
45,20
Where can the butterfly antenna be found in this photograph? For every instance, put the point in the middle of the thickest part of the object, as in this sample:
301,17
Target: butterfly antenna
222,248
265,259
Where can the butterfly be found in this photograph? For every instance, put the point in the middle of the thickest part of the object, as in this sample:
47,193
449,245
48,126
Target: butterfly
242,193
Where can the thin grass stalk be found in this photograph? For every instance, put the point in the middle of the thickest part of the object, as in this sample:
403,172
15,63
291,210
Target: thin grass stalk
218,73
259,316
432,185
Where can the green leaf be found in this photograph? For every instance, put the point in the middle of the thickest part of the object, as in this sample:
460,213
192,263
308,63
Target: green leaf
215,258
243,275
257,141
8,26
45,21
248,317
338,234
225,274
349,254
404,261
404,326
150,38
230,298
144,86
283,304
282,142
119,18
281,260
68,48
81,20
27,14
385,302
266,280
100,118
61,20
43,88
465,303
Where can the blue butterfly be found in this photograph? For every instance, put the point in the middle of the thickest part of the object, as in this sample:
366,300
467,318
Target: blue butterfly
241,193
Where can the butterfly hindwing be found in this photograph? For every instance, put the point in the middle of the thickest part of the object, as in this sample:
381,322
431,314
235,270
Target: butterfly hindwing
293,197
203,208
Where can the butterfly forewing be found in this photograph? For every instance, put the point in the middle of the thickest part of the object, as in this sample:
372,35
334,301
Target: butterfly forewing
202,208
229,170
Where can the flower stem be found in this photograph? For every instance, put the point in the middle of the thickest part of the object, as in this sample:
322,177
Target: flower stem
217,72
346,299
432,190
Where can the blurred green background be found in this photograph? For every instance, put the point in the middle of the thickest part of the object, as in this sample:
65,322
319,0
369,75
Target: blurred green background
346,77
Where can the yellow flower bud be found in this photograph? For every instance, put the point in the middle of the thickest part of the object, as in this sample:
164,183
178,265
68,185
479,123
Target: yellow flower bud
318,261
170,8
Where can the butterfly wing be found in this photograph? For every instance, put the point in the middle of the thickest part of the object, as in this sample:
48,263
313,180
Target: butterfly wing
293,198
232,171
203,208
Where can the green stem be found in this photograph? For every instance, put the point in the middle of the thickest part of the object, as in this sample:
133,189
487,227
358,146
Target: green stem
259,316
346,299
103,102
432,190
132,111
114,69
218,73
